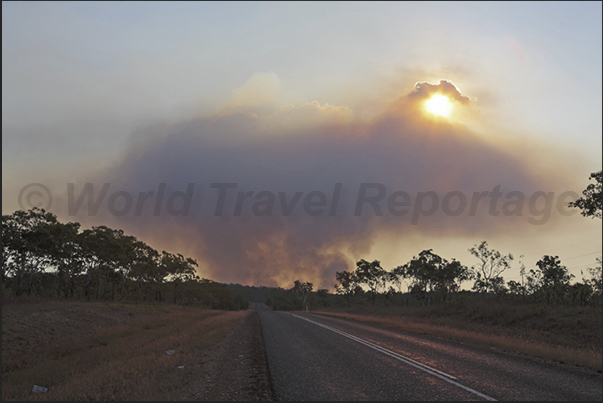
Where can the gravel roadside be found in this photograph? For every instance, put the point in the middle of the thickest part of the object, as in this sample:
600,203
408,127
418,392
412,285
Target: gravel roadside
236,369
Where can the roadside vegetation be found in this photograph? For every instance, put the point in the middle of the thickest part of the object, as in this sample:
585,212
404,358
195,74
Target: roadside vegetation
107,351
43,257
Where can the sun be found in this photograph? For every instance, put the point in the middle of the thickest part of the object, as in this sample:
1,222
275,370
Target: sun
439,105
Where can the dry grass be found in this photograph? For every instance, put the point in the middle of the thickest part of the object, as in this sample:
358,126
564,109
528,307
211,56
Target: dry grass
85,351
570,335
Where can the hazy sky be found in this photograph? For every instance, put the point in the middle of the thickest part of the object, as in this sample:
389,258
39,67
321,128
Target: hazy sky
298,97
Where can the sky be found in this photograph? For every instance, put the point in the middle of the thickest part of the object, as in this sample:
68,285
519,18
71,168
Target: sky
290,140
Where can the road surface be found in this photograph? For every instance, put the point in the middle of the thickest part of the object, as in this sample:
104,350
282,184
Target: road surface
313,357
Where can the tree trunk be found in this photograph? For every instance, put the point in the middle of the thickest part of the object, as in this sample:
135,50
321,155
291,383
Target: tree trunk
87,286
31,279
18,290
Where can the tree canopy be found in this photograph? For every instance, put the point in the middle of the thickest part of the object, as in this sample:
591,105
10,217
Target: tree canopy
592,199
487,273
45,257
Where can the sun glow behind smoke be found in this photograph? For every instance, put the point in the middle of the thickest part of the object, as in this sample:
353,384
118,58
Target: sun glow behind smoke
439,105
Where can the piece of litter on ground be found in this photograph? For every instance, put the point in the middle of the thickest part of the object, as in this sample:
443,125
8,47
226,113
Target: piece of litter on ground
39,389
181,367
169,352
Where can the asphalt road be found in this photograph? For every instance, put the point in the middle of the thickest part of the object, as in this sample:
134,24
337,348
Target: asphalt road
313,357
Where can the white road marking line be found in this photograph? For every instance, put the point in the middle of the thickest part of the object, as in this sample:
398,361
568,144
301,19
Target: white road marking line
432,371
379,348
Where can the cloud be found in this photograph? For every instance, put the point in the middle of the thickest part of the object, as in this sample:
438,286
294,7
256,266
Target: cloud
260,89
323,153
424,90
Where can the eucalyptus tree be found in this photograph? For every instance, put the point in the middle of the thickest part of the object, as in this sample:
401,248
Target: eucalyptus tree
145,268
178,269
60,242
301,290
102,253
23,244
487,273
372,275
347,281
592,199
551,279
430,274
397,277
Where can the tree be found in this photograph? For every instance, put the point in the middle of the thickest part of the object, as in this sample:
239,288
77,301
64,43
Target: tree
397,276
346,284
596,279
450,276
301,290
421,271
102,253
488,272
178,268
431,274
590,204
515,288
42,254
371,274
580,293
144,269
24,240
60,242
551,280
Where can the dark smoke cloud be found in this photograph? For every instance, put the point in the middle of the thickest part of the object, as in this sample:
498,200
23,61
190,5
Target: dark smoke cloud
305,149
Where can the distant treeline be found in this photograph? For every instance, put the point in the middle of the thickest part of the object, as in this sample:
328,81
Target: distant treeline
44,257
429,279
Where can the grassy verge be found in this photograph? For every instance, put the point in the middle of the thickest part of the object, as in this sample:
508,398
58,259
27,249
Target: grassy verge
571,335
85,351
